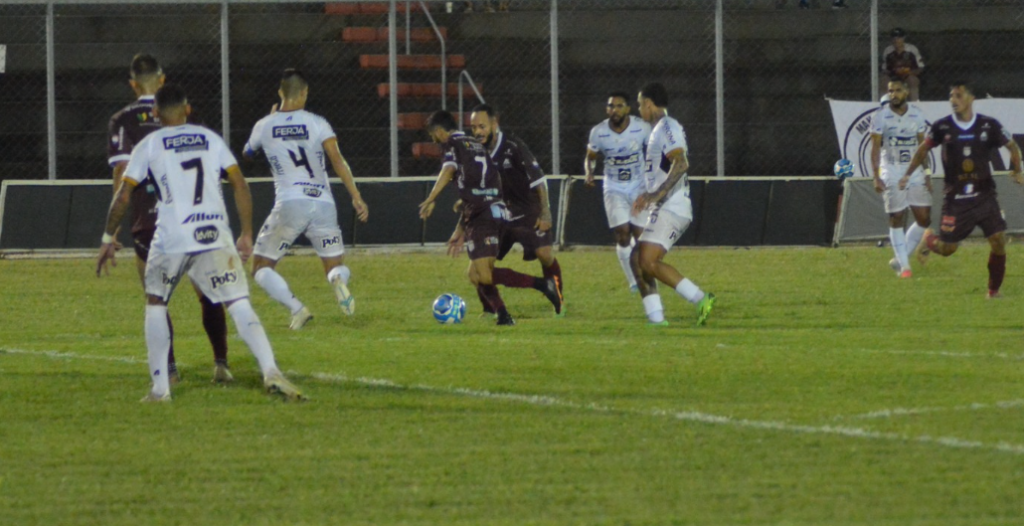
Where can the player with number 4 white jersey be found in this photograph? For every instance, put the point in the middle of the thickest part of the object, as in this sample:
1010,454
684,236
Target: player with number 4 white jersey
296,143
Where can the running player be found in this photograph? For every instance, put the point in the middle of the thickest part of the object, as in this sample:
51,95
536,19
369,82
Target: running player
295,142
897,129
483,211
621,140
667,203
127,128
969,143
192,237
525,192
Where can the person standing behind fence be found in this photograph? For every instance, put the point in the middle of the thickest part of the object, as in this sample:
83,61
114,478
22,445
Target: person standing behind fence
667,204
126,129
621,140
193,239
903,61
295,142
969,141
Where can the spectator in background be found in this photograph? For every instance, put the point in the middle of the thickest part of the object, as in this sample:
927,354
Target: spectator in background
902,61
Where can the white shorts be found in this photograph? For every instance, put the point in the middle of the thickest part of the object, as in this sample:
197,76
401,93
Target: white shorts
219,273
664,228
318,220
617,206
897,200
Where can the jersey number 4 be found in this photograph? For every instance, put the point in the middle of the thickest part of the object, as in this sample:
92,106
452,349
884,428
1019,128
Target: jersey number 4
301,160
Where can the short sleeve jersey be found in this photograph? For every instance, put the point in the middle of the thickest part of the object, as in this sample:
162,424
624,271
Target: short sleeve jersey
623,153
293,143
909,58
666,137
476,176
185,162
899,139
126,129
520,175
967,151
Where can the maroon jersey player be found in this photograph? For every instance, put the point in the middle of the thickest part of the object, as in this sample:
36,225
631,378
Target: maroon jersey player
969,142
524,187
126,129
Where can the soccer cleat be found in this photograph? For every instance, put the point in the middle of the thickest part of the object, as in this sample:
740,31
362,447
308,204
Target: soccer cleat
153,397
993,295
905,274
553,295
277,384
894,264
662,323
345,299
504,318
299,319
634,289
704,308
222,375
922,250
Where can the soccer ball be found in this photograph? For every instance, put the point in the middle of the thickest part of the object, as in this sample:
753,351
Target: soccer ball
843,169
449,309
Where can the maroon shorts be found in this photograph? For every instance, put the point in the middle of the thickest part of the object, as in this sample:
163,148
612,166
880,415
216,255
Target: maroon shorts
483,236
523,231
958,222
142,239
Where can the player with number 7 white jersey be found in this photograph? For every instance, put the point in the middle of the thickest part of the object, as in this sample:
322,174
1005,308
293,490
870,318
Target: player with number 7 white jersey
296,142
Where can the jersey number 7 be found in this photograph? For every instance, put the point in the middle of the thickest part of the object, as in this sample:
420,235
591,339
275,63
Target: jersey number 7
197,165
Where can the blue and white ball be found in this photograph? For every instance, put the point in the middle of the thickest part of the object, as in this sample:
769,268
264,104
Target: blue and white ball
449,308
843,169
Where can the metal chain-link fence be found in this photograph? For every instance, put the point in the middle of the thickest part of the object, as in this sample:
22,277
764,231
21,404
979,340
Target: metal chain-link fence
779,62
23,121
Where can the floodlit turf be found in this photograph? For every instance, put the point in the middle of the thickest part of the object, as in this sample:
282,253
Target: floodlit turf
823,391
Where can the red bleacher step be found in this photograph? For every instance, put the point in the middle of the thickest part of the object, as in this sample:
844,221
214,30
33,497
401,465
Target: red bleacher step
406,89
366,8
417,121
412,61
426,150
374,34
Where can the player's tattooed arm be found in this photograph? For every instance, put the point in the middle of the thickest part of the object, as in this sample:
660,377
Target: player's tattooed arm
243,203
344,172
876,161
443,178
589,164
118,207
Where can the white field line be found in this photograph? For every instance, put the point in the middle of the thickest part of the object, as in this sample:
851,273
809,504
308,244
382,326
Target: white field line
903,411
550,401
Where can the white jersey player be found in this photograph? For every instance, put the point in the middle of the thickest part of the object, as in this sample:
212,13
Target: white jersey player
296,143
897,130
192,235
621,140
667,201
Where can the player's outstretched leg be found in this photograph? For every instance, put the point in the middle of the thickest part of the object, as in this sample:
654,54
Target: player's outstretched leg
277,288
481,274
158,346
338,278
507,277
996,264
651,263
487,310
251,331
216,326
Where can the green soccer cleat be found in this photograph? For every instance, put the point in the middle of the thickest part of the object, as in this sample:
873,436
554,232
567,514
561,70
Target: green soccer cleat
704,308
662,323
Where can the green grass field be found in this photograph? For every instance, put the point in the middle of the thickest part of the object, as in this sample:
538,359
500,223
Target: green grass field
824,391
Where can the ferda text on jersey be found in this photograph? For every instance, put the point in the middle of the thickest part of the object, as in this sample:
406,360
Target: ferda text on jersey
187,142
294,132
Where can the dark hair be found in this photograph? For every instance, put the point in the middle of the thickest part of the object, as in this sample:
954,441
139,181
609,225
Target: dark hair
170,95
657,93
966,85
144,67
491,111
897,32
442,119
899,80
293,81
619,95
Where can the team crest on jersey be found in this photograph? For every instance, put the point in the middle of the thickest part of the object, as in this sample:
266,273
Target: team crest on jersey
205,235
507,164
293,132
187,142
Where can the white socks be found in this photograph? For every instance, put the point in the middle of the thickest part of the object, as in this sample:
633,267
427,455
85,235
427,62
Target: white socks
623,253
342,272
653,308
899,246
158,345
914,235
251,331
690,291
277,288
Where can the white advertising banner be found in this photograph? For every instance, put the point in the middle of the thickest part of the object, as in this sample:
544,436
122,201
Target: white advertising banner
853,127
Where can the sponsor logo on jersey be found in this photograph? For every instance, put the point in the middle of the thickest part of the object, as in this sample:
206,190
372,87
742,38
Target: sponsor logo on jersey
329,241
485,191
284,246
312,192
294,132
205,235
202,216
967,137
902,141
167,280
507,164
186,142
625,159
227,278
491,240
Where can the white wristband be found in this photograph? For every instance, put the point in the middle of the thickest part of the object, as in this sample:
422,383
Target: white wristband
107,239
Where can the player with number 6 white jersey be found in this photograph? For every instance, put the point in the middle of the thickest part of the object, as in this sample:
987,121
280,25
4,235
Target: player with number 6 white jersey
297,145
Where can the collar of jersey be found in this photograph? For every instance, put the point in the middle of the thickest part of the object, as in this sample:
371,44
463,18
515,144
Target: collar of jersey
497,143
974,118
147,98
